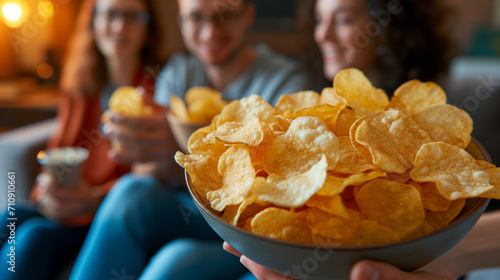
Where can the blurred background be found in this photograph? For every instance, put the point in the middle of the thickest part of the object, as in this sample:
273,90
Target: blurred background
34,35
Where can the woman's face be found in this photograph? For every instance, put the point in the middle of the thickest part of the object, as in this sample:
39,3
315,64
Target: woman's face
120,27
345,35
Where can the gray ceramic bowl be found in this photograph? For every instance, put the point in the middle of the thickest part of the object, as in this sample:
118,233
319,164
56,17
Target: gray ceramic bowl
321,263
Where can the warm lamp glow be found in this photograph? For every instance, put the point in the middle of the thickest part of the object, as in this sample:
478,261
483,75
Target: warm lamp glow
12,11
46,7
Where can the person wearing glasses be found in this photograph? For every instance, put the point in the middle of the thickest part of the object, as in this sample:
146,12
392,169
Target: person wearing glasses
147,216
113,44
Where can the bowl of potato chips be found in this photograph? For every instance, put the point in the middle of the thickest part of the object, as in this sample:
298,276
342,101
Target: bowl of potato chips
319,181
200,106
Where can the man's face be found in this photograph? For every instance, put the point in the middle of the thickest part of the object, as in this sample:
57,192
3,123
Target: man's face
214,30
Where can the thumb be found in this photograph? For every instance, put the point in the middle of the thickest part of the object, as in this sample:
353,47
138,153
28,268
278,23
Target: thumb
371,270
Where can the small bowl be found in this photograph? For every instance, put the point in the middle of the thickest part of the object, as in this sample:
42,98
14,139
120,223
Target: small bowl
182,130
316,262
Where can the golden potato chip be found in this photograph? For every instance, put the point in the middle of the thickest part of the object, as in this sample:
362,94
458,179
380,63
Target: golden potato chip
291,189
454,171
253,133
203,171
368,233
325,112
359,92
494,173
351,161
439,220
362,149
335,184
432,200
329,204
392,138
392,204
414,95
203,110
126,100
344,122
232,212
283,225
178,108
296,101
423,229
445,123
243,110
280,125
333,226
238,175
196,143
202,93
329,96
303,145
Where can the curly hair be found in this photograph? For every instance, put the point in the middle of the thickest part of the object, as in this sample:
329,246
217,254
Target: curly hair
84,70
415,44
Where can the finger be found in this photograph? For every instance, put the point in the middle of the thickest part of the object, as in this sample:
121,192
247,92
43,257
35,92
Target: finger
261,272
157,120
127,135
369,270
230,249
131,155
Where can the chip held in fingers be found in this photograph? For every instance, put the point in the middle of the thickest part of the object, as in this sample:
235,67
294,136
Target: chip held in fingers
347,167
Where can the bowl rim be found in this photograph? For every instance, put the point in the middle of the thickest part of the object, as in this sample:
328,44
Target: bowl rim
461,218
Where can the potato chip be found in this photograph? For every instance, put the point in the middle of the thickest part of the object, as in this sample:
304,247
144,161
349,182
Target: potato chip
202,93
454,171
333,226
351,161
329,96
203,171
392,204
243,110
283,225
432,200
178,108
196,143
296,101
232,212
328,114
291,189
423,229
439,220
329,204
360,94
344,122
335,184
414,95
392,138
301,146
494,173
253,133
368,233
203,110
445,123
238,175
126,100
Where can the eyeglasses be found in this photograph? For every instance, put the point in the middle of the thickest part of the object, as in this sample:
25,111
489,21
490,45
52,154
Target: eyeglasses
131,17
225,21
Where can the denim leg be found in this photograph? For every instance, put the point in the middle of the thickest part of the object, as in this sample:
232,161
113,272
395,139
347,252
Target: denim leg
192,259
42,249
21,213
134,221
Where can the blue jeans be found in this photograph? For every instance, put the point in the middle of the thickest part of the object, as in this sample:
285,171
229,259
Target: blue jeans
42,247
139,217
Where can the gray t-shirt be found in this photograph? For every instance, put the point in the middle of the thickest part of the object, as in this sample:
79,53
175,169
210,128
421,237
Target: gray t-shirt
270,76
